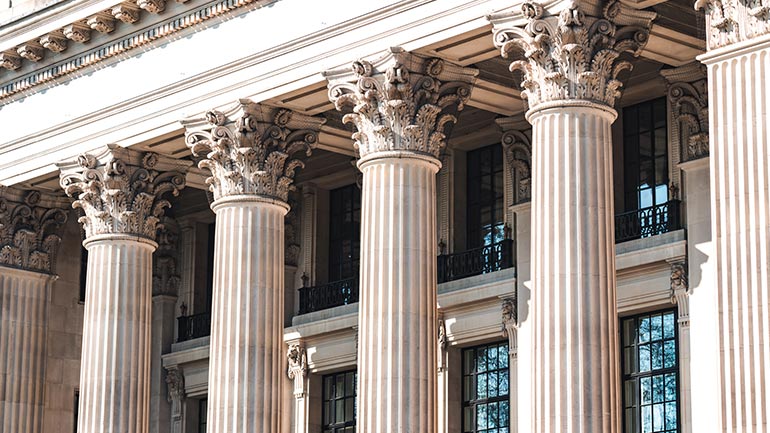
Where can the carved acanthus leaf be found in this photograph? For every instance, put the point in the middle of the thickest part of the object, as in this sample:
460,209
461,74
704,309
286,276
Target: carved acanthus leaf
401,102
175,385
291,233
102,23
55,42
296,357
250,150
77,32
575,54
121,190
518,153
31,51
731,21
10,60
165,276
688,95
29,226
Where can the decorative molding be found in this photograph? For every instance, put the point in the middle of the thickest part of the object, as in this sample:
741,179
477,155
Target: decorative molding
152,6
176,396
731,21
165,276
121,190
81,33
296,357
401,101
55,42
688,96
442,344
102,22
510,324
518,154
573,55
291,233
680,291
31,51
249,149
29,225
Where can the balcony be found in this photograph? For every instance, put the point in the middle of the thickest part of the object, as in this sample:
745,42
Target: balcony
328,295
648,221
477,261
193,326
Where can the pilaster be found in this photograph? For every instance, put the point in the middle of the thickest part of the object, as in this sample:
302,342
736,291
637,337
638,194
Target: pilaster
510,323
297,372
29,239
176,396
122,194
571,70
402,105
250,151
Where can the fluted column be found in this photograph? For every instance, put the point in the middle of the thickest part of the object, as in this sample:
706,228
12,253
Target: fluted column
571,82
249,151
738,63
120,192
28,244
402,104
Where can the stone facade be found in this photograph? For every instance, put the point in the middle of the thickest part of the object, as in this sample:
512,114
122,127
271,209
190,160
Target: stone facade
335,227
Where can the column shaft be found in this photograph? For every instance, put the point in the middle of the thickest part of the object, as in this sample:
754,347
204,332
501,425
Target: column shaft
23,334
397,314
740,195
575,359
246,368
115,367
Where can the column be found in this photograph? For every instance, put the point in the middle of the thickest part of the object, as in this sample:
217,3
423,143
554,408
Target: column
402,106
738,62
570,70
29,240
250,152
121,194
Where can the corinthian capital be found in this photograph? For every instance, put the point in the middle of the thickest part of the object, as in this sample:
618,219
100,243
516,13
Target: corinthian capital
571,54
731,21
29,224
249,149
121,190
401,102
688,95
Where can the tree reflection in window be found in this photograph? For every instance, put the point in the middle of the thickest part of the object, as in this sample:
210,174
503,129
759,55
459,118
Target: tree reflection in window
486,405
650,373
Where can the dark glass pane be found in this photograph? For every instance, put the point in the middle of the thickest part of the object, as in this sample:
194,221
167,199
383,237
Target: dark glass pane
659,113
661,146
645,117
661,170
645,144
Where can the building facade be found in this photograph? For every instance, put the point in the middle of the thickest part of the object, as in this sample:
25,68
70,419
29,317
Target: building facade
388,216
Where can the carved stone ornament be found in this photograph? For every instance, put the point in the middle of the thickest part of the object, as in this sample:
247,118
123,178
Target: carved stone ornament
680,291
296,357
165,276
152,6
77,32
54,42
121,190
518,153
10,60
249,149
573,54
401,102
127,12
29,225
102,23
31,51
442,344
731,21
510,324
175,384
688,95
291,233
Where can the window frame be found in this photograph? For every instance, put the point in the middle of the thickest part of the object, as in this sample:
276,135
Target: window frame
637,376
337,426
337,214
474,234
473,403
632,152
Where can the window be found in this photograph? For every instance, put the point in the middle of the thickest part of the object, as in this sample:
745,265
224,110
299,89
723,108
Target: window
485,215
203,406
83,273
645,153
339,402
344,232
650,373
486,404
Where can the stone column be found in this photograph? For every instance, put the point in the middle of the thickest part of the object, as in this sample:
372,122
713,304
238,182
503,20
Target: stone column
570,70
402,106
28,246
120,192
249,151
738,62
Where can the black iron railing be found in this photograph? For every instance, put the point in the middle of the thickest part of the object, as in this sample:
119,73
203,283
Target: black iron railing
329,295
649,221
477,261
194,326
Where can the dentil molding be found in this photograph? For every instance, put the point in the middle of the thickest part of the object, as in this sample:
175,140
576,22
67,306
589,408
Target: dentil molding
401,101
250,149
29,225
573,54
121,190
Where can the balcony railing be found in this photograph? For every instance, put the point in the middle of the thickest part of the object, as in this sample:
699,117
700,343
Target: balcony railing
329,295
477,261
648,221
194,326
